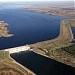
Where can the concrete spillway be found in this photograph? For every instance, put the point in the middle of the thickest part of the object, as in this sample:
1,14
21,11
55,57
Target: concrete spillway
18,49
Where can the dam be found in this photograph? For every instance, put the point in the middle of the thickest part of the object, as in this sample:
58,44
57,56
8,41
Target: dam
18,49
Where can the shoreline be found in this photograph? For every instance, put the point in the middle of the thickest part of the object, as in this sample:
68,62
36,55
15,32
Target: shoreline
54,53
58,37
25,68
8,63
51,57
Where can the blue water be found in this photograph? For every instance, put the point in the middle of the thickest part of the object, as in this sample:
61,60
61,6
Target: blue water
42,65
28,27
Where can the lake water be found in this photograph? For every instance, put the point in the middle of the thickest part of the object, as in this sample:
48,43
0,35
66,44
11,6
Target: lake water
27,27
42,65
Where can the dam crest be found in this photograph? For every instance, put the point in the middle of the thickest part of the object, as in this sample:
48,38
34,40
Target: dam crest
18,49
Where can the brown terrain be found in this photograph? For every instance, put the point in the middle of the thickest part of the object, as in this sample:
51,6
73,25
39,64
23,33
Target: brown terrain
4,30
53,10
9,66
72,22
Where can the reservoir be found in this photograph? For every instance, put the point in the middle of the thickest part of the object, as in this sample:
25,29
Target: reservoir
30,27
27,27
42,65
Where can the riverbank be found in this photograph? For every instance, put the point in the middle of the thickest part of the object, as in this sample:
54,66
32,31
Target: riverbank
4,30
10,66
55,48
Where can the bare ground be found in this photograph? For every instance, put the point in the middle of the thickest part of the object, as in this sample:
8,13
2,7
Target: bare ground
9,67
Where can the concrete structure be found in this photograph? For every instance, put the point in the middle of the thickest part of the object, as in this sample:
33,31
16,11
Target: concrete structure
18,49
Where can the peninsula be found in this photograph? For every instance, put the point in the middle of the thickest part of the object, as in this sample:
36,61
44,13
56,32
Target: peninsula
4,30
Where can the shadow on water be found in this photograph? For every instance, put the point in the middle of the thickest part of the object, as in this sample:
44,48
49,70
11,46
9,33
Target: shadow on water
42,65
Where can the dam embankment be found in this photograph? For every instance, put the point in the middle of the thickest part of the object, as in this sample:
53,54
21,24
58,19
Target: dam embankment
18,49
